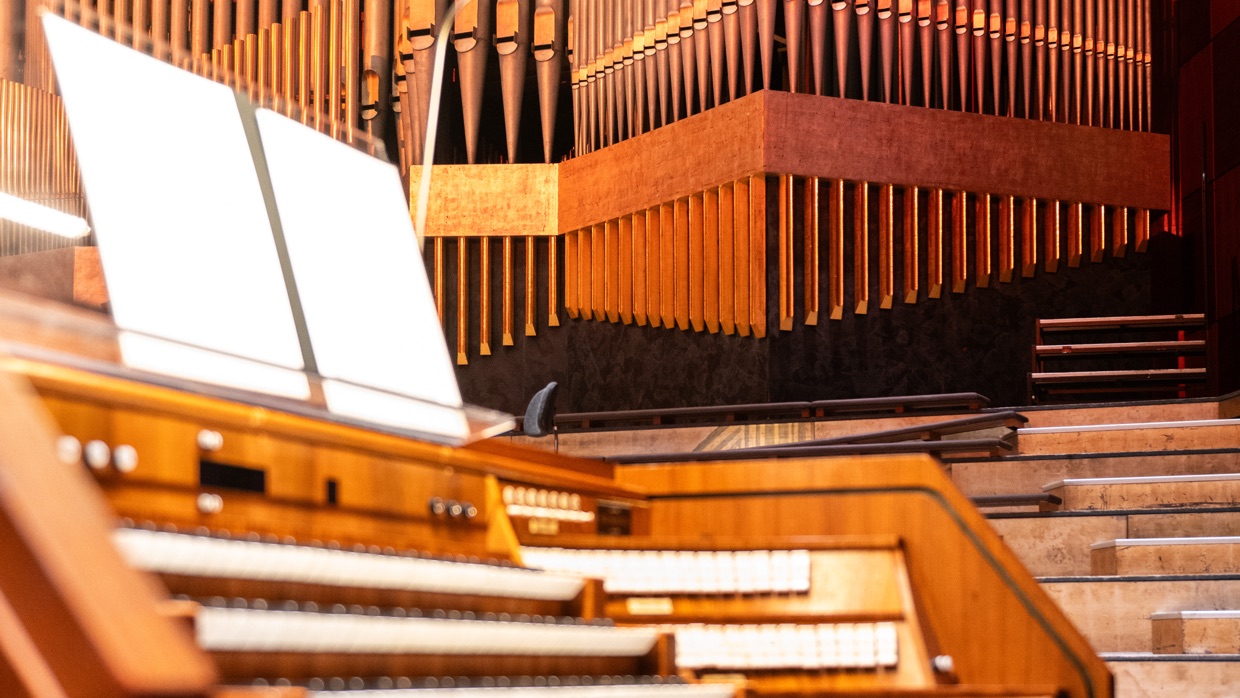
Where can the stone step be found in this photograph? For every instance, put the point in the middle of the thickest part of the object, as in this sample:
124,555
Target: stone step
1196,632
1122,413
1157,492
1058,544
1114,612
1145,436
1151,556
1022,474
1145,675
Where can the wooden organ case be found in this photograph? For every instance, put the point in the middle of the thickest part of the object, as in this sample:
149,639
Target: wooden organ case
311,556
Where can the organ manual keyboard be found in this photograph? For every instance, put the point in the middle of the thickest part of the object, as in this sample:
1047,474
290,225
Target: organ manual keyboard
314,555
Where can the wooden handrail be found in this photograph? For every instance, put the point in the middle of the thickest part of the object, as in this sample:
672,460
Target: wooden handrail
768,411
940,448
920,432
984,501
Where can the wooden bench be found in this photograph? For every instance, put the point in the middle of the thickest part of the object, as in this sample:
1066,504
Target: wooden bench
1108,376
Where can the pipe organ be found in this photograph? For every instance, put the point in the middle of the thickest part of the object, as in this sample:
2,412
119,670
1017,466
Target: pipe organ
695,256
303,556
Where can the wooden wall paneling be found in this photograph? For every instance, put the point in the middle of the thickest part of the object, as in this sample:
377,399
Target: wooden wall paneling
654,266
810,249
438,262
462,301
1097,232
667,263
784,245
960,250
886,245
625,290
741,262
982,238
611,269
484,296
1076,234
757,255
680,263
697,254
553,313
598,271
1119,234
1051,249
572,303
1029,237
727,258
835,250
508,292
912,233
585,273
861,248
710,256
640,264
934,243
1142,238
1007,238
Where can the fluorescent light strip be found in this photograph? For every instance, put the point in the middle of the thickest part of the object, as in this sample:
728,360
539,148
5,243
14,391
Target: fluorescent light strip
44,218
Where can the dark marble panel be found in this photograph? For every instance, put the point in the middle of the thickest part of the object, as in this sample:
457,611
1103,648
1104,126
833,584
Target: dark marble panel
976,341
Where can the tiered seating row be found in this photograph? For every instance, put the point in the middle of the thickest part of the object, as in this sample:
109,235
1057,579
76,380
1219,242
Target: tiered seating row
787,646
682,571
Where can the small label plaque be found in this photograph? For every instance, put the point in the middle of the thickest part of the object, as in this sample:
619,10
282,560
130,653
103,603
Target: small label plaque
648,606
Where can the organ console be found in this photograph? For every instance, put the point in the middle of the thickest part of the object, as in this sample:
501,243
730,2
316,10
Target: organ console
309,555
312,555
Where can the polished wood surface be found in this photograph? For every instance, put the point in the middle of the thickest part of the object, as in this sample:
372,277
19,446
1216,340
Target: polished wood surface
972,593
68,596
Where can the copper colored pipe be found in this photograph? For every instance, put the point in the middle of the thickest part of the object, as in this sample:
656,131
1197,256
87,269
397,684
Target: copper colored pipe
675,68
244,17
715,32
291,9
861,248
994,28
1052,50
907,35
1026,56
1112,118
732,47
1039,42
178,27
982,238
749,33
549,42
513,25
766,38
818,11
865,42
221,28
1130,59
688,53
701,47
978,23
1078,38
794,28
962,52
911,226
200,27
925,36
886,42
841,25
662,69
640,65
1010,34
1086,93
943,26
1064,114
